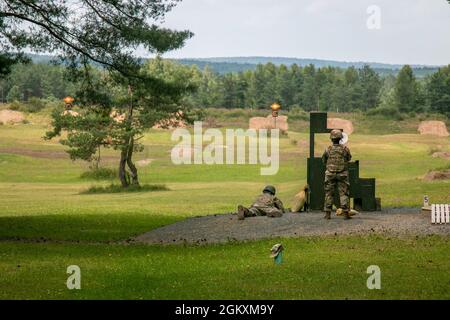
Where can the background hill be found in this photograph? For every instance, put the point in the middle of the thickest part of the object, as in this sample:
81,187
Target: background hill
225,65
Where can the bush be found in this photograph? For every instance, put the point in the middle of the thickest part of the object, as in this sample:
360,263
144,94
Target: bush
210,122
444,167
113,188
412,114
433,150
235,114
52,103
15,106
100,174
386,112
432,116
297,113
33,105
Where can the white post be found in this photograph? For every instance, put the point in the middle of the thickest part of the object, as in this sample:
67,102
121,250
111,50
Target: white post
444,214
433,213
438,213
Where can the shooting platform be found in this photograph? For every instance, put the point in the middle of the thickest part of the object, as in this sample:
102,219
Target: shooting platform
223,228
362,190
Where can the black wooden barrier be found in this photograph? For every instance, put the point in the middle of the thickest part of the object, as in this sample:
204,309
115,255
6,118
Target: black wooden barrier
362,190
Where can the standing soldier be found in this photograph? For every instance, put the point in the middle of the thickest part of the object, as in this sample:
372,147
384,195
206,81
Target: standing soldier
336,158
265,205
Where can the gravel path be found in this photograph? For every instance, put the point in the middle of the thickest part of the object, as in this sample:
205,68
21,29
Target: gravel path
226,227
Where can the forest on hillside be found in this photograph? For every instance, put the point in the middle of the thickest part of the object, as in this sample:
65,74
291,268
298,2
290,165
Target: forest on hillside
308,88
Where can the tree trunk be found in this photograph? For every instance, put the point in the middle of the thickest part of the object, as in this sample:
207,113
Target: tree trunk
133,169
122,169
127,152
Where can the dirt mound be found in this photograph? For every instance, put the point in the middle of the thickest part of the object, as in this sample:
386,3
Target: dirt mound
269,122
443,155
280,123
337,123
437,175
11,117
227,227
435,128
258,123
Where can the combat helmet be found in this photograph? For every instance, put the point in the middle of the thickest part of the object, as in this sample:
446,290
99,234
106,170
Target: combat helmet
270,189
336,134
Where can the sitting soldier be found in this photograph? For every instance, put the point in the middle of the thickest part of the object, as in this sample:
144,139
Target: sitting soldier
265,205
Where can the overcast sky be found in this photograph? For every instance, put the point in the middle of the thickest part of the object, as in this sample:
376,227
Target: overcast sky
411,31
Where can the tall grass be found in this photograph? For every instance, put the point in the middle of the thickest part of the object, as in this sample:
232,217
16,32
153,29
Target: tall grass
100,174
114,188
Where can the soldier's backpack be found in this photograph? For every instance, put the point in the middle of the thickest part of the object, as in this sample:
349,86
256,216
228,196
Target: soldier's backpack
336,159
264,200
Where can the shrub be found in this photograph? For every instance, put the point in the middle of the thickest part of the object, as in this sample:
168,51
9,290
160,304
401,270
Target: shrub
412,114
297,113
15,106
113,188
386,112
34,105
52,103
433,150
432,116
210,122
235,114
444,167
100,174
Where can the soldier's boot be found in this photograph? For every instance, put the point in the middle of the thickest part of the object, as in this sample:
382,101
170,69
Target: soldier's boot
347,215
241,212
327,215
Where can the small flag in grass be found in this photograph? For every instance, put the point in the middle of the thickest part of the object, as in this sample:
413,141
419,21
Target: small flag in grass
277,253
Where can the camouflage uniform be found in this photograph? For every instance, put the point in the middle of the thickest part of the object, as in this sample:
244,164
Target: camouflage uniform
336,159
266,205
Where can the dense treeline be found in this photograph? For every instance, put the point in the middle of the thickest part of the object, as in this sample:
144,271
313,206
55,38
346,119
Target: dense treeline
36,80
326,89
308,88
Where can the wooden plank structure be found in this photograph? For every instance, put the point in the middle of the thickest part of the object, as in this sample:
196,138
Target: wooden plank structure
440,213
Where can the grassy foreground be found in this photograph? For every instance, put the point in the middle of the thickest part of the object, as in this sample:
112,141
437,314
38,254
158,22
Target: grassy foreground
313,268
47,224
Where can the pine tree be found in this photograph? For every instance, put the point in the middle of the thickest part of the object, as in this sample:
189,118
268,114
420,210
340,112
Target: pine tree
438,91
370,87
14,94
406,92
107,35
310,94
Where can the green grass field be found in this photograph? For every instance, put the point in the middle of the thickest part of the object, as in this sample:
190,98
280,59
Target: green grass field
46,224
